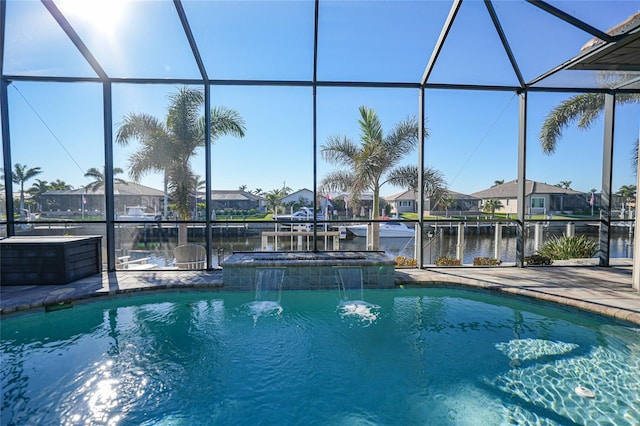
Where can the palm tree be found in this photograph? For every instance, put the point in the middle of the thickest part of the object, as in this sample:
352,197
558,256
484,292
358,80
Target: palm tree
98,178
628,192
498,182
37,189
583,108
199,185
20,175
168,147
367,164
59,184
434,186
566,184
491,206
446,201
273,200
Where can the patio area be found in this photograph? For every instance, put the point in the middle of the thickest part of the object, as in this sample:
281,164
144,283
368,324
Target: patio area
602,290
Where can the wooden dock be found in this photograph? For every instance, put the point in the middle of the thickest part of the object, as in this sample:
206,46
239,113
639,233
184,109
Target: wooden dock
301,239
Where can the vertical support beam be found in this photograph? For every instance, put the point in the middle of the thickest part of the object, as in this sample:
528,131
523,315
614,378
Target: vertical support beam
497,243
207,172
522,176
538,235
4,118
460,244
607,175
108,174
635,277
419,249
6,156
315,127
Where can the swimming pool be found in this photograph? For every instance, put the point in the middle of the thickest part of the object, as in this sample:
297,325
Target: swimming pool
406,356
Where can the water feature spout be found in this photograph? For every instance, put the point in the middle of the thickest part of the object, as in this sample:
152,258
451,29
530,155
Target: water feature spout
269,284
349,282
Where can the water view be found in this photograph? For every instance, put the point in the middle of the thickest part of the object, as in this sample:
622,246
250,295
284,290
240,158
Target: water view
443,245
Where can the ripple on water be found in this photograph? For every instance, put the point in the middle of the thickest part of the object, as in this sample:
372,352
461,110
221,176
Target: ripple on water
551,384
363,313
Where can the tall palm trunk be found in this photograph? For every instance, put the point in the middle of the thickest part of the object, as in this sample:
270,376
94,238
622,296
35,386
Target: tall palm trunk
22,215
166,196
183,231
374,242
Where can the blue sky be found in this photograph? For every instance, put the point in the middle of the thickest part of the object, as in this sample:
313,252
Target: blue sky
473,134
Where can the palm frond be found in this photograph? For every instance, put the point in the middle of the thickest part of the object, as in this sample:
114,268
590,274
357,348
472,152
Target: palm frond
434,186
339,150
339,180
94,173
137,126
181,186
225,122
370,126
403,139
581,107
183,119
404,177
141,163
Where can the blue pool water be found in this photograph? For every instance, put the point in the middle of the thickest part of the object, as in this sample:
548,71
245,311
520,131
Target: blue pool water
399,357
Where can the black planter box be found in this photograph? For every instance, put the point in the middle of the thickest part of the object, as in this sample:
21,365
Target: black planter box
49,260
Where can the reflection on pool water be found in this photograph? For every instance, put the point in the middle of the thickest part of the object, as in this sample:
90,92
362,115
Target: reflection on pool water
405,356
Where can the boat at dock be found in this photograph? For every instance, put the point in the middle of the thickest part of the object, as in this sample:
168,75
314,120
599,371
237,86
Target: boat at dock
138,213
387,229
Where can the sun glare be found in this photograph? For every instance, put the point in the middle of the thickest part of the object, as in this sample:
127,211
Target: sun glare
102,16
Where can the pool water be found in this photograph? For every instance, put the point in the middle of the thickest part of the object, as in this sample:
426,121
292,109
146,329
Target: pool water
398,357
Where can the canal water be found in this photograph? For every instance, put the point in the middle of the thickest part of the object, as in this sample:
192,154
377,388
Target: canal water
442,244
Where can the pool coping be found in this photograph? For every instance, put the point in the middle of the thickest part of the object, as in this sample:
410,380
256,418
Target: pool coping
602,290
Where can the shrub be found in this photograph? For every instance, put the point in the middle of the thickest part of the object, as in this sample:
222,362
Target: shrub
448,261
562,248
536,259
406,261
486,261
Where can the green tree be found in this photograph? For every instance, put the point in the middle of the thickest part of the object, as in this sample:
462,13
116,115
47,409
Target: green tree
628,192
21,174
99,178
37,189
367,164
490,206
434,187
566,184
199,185
583,109
446,201
168,147
59,184
273,200
498,182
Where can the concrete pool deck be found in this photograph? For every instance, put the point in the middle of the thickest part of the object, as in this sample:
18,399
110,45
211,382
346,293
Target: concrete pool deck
602,290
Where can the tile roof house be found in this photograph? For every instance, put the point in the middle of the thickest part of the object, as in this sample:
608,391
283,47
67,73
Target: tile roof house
303,196
406,201
540,198
236,200
89,200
